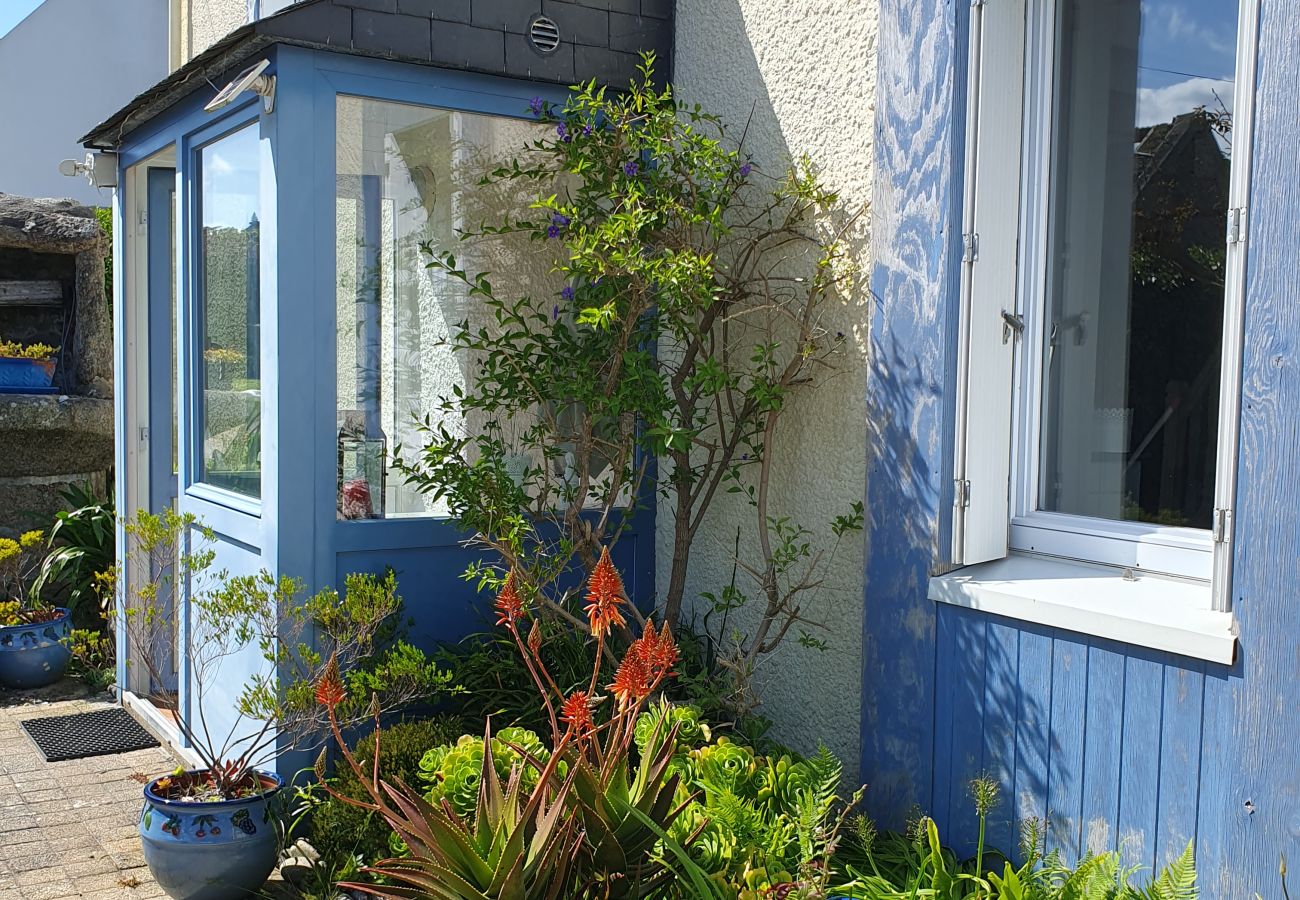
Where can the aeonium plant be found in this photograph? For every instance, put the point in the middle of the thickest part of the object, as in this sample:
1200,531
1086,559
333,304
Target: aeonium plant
585,820
292,636
20,559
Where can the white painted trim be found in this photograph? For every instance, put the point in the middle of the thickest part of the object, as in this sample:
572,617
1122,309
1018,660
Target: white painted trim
1161,613
156,724
1234,303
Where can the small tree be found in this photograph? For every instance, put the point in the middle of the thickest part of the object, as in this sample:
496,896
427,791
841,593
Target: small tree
294,637
691,316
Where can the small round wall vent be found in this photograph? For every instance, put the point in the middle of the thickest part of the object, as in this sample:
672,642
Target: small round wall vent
544,35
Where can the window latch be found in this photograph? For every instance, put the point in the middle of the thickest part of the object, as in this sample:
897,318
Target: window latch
1012,323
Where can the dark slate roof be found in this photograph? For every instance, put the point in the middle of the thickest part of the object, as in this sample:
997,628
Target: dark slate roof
600,39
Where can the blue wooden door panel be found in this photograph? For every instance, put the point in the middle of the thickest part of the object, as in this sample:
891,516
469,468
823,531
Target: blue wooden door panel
1033,732
1180,760
964,706
1139,783
1103,727
1001,702
1066,743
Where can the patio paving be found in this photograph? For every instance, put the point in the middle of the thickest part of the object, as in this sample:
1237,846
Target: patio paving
67,829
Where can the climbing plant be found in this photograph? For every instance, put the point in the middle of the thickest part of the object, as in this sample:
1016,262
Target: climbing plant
692,289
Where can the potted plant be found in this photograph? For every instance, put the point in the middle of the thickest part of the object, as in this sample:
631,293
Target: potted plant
213,832
26,366
33,648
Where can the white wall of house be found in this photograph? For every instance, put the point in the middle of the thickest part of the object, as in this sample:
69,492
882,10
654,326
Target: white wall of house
201,23
806,69
63,69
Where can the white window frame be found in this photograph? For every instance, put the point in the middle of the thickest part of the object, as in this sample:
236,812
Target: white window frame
1185,552
1198,559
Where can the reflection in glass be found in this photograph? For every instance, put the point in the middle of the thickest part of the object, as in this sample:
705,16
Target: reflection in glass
230,313
409,176
1136,277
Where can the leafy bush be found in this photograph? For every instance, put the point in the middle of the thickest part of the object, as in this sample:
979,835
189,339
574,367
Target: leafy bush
82,544
905,866
343,833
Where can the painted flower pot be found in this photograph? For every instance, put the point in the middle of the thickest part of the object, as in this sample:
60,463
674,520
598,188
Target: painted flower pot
211,851
26,373
35,655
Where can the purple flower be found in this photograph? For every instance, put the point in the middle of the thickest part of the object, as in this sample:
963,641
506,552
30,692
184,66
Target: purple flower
586,131
561,220
536,105
746,169
562,132
630,169
567,293
553,231
555,313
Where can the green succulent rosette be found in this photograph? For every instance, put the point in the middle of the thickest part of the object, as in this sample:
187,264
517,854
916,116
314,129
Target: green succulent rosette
780,782
714,847
725,766
453,772
662,717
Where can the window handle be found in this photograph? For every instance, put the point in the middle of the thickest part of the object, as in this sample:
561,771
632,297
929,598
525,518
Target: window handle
1011,324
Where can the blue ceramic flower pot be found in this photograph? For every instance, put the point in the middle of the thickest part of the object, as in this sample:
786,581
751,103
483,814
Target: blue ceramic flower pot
211,851
25,373
33,656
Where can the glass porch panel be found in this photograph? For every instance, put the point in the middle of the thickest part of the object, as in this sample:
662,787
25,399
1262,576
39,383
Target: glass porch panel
229,313
407,182
1135,289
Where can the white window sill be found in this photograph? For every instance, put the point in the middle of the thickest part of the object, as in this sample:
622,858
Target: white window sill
1149,610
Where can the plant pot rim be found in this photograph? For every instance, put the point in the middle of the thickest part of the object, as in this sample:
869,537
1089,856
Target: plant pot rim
63,614
276,783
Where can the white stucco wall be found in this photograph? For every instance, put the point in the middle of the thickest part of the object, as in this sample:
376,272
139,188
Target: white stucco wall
65,68
204,22
806,69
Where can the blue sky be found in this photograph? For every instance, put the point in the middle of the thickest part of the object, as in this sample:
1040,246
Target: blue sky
14,11
1186,57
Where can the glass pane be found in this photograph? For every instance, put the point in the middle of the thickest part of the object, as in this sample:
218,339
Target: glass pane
409,176
230,313
1136,277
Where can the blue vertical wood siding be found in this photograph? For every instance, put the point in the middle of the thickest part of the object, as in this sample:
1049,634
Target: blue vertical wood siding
1114,747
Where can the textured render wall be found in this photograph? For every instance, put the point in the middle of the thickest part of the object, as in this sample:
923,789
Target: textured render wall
806,70
204,22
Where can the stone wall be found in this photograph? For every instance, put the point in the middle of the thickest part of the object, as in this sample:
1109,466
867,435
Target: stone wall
51,441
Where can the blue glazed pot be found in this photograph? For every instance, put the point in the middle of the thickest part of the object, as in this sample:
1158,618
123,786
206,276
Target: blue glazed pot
26,373
33,656
211,851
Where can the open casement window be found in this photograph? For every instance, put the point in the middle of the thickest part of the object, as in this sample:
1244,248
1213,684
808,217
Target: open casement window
1101,309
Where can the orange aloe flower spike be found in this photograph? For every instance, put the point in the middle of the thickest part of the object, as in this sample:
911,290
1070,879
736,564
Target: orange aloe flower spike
604,597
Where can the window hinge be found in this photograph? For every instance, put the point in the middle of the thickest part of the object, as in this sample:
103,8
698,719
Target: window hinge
1237,225
1222,530
975,3
1012,323
144,434
970,246
961,493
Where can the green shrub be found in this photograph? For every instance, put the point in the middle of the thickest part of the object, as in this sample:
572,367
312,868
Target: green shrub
342,833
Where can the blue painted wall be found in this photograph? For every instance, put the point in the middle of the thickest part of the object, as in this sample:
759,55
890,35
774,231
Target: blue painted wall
1114,746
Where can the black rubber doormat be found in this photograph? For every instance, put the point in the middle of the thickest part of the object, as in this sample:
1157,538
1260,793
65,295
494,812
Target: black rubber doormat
95,733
